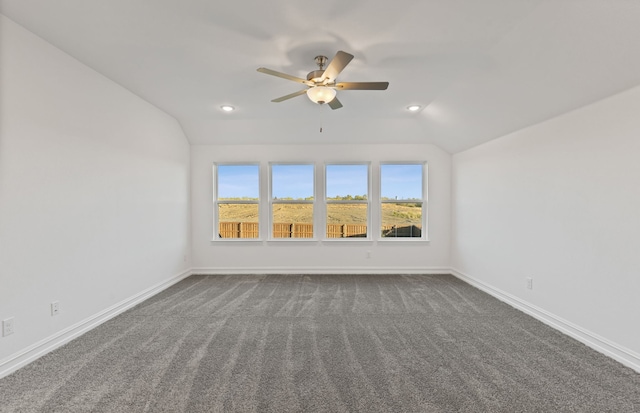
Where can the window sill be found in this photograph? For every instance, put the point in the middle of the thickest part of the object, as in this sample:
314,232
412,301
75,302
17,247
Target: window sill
293,240
347,239
237,240
404,239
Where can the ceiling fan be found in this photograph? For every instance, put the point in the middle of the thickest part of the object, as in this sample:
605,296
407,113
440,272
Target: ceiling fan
321,84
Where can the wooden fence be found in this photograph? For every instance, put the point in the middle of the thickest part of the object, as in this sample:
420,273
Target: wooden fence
301,230
346,231
289,230
294,230
394,231
238,230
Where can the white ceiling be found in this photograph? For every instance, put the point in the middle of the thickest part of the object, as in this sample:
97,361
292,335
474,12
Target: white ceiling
481,69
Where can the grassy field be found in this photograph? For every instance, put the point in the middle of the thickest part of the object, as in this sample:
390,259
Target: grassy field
392,214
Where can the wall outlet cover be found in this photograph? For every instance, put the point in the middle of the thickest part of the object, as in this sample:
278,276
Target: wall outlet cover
7,327
55,308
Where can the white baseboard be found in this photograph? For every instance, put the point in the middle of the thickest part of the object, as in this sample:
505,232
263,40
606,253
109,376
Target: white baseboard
39,349
617,352
320,270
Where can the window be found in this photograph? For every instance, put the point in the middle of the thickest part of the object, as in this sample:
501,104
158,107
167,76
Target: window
289,204
292,197
347,201
237,201
401,200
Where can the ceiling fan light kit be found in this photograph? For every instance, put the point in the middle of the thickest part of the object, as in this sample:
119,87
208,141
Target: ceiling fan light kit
321,84
321,94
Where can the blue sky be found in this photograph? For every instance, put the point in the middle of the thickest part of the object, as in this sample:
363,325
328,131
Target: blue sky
296,181
402,181
237,181
347,180
292,181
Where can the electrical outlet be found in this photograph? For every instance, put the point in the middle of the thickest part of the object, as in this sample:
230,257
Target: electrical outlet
55,308
368,254
184,259
7,327
529,283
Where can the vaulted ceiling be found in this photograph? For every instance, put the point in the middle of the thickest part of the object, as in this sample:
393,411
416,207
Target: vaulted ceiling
479,69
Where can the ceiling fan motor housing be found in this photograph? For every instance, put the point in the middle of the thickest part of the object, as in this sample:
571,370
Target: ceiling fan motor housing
315,75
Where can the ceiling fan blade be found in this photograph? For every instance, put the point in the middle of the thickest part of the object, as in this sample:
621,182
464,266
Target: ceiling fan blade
284,76
335,104
362,85
337,64
290,95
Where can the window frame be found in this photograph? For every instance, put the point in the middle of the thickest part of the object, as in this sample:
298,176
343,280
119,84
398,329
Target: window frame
326,202
424,200
271,202
217,202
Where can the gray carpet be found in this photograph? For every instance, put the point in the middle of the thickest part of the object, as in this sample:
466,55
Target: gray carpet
322,343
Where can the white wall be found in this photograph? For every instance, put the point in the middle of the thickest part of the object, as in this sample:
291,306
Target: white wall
320,256
94,194
559,202
95,208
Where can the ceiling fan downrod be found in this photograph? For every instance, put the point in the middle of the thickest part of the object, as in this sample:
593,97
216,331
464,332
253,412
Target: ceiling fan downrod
315,76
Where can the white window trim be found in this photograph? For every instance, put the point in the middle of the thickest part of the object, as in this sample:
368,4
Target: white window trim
320,202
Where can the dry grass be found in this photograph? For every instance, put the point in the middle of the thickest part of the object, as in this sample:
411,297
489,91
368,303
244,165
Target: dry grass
392,214
300,213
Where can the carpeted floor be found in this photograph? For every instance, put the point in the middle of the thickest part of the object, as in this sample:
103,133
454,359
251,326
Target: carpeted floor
322,343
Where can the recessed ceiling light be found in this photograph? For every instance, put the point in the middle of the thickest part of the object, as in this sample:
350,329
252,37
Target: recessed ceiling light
227,108
413,108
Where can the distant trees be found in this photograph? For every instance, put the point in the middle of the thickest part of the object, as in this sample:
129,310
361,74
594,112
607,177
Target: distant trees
349,198
332,198
386,198
345,198
288,198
